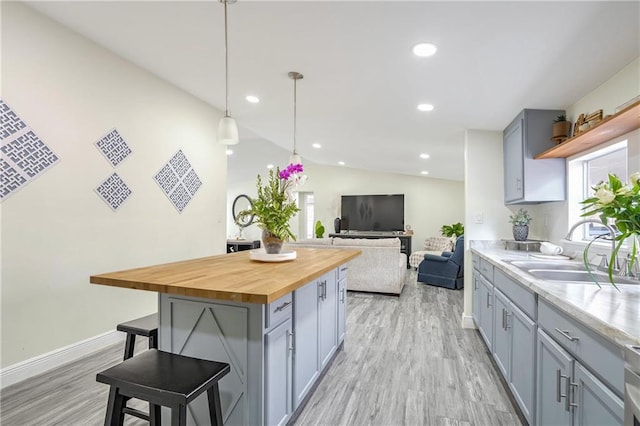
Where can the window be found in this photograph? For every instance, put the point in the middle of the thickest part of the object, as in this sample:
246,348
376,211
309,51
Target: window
307,227
587,171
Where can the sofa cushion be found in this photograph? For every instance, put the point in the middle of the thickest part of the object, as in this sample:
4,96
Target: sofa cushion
313,241
439,244
371,242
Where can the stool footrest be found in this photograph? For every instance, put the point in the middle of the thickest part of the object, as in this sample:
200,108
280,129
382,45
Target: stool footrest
137,413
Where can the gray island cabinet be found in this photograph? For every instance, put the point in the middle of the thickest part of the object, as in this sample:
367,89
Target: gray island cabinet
278,325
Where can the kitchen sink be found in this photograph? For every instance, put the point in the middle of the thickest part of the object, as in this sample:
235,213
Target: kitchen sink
556,265
578,277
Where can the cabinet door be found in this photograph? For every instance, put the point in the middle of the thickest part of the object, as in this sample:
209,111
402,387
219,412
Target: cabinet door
305,336
501,333
486,312
514,161
476,298
278,374
596,404
342,309
555,366
327,317
523,350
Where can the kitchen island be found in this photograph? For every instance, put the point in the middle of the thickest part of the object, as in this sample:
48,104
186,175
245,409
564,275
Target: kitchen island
278,325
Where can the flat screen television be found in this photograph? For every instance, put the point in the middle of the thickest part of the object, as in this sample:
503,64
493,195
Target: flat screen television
364,213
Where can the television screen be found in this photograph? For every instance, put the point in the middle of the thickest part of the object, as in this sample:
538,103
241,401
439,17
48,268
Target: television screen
372,212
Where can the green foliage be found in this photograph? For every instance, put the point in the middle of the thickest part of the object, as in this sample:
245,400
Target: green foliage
273,207
454,230
560,118
618,203
319,230
521,217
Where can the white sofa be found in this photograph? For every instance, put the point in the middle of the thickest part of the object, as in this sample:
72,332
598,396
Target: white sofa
381,267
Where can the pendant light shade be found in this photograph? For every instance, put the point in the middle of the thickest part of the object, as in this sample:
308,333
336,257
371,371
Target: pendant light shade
228,131
295,158
227,128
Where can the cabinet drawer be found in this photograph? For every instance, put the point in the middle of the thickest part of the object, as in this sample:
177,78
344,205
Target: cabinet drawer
600,356
278,311
342,271
524,298
486,269
475,259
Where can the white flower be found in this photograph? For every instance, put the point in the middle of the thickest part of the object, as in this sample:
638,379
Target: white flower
604,196
634,178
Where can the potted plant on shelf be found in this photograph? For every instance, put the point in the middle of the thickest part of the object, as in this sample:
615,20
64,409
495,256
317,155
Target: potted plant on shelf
520,220
275,205
561,128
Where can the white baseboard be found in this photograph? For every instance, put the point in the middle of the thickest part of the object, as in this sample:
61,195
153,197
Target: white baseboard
467,322
42,363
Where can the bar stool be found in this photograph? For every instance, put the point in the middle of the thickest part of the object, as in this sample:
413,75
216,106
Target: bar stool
163,379
145,326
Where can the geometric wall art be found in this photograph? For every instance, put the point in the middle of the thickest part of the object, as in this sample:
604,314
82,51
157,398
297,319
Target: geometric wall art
23,155
113,191
178,180
113,147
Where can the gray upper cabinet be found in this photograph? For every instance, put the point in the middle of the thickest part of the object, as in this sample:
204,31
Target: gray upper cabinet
527,180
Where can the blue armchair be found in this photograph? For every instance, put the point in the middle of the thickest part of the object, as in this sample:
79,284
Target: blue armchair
446,270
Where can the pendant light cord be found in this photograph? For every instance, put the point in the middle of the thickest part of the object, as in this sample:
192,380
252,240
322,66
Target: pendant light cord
226,62
294,115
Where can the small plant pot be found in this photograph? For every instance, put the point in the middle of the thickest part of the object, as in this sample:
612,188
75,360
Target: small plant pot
271,243
520,232
561,130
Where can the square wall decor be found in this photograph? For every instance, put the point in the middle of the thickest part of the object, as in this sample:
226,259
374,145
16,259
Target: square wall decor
113,191
113,147
24,156
178,180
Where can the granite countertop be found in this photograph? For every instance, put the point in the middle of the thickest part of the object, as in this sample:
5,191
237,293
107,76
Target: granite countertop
612,314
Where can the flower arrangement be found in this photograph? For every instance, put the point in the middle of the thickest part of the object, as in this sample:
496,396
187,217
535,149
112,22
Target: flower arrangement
616,201
520,218
275,204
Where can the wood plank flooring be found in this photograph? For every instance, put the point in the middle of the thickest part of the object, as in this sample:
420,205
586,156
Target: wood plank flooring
406,361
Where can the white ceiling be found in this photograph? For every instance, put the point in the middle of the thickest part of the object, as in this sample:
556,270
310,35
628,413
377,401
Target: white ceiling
361,82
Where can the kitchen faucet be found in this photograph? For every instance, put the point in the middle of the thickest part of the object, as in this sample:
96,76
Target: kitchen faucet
612,232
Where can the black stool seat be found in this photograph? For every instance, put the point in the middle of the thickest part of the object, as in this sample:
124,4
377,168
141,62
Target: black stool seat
163,379
145,326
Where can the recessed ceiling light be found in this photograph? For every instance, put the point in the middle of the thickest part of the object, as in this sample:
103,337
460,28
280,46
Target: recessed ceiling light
269,166
341,163
424,49
424,156
424,172
252,99
425,107
229,151
316,146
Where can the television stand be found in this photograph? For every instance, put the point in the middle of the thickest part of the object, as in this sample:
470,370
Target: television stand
405,240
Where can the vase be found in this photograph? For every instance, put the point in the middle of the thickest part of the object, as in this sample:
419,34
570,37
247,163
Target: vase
520,232
271,243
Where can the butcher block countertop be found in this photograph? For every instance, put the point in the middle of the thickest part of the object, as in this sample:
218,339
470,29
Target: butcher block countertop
231,276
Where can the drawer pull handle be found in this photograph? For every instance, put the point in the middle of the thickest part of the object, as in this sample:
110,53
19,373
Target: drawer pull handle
566,334
282,307
559,377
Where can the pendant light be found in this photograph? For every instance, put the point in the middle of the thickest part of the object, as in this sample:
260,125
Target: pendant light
227,127
295,158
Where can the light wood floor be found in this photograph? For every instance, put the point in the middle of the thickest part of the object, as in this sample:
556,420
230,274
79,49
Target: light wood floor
406,361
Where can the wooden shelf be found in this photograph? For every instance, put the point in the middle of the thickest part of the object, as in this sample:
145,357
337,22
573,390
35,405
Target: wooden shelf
618,124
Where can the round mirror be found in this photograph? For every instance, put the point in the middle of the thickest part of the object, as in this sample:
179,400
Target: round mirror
242,202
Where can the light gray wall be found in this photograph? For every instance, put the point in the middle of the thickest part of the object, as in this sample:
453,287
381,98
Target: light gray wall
56,231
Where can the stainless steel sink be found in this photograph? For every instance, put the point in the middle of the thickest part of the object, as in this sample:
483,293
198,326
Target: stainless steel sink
578,277
556,265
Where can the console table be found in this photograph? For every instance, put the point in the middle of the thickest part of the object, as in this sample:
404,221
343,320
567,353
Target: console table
405,240
234,246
